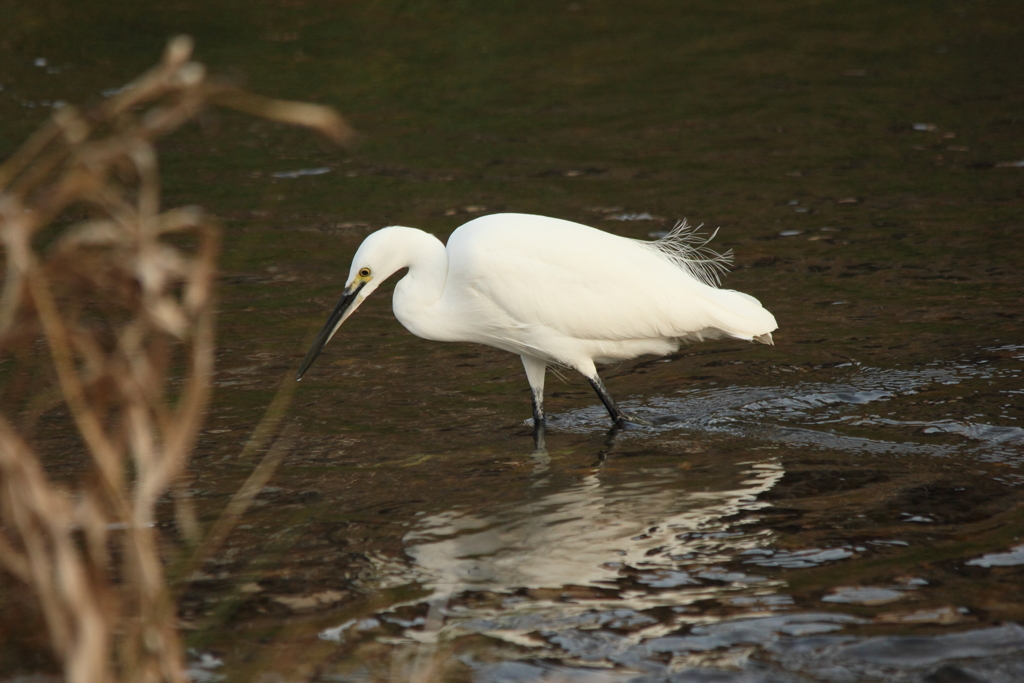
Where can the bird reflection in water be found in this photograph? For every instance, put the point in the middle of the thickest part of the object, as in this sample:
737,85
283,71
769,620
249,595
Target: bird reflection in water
655,540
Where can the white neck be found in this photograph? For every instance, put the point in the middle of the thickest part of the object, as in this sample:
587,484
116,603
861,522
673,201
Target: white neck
418,294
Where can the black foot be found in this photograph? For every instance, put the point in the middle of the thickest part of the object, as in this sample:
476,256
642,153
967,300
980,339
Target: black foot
629,419
625,423
539,429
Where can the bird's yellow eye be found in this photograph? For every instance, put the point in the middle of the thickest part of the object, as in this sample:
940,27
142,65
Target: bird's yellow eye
364,272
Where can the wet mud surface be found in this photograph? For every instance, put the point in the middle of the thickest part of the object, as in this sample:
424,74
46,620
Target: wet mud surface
844,506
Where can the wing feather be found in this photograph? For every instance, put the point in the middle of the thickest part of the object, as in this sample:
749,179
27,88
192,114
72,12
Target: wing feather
532,271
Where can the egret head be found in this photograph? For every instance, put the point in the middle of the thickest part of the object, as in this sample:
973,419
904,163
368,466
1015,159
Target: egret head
379,256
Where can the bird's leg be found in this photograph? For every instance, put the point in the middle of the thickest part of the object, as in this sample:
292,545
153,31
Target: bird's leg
538,406
606,399
535,371
618,417
539,423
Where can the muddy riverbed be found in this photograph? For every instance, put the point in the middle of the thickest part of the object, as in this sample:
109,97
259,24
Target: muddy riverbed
843,506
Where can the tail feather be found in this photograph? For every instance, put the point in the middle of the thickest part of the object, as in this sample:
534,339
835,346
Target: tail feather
740,315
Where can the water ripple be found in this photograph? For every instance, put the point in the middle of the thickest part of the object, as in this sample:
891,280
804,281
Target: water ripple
840,415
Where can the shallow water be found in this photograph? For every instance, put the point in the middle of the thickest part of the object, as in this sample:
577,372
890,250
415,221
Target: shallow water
654,568
843,506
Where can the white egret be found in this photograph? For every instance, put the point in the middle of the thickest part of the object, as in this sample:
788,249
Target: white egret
554,292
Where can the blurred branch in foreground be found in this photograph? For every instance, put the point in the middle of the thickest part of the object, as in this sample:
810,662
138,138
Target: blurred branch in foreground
123,303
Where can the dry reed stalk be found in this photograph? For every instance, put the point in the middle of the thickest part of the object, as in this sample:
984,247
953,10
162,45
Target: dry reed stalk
123,303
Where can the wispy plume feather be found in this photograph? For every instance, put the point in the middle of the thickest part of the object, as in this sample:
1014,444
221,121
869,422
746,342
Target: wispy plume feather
688,249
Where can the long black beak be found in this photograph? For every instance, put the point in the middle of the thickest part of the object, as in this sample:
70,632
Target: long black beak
329,328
